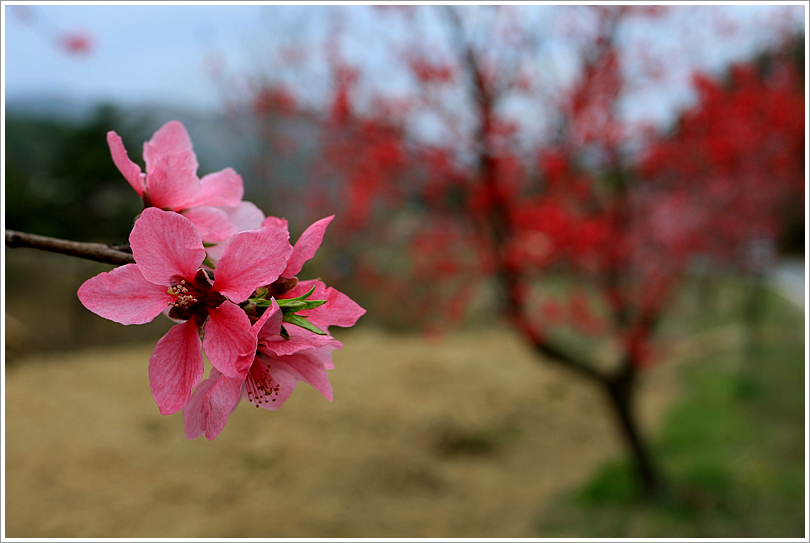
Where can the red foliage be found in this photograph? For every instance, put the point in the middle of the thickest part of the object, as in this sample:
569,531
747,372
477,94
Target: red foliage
275,100
737,157
478,209
427,72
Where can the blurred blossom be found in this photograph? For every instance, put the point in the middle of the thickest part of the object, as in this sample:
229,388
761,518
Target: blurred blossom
76,43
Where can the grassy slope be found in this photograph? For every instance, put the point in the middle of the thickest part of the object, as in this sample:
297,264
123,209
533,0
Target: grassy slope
732,450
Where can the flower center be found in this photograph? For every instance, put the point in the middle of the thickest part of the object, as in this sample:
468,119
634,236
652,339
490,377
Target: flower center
260,385
194,298
185,297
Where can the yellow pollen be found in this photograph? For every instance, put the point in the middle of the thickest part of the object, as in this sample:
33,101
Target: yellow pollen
184,296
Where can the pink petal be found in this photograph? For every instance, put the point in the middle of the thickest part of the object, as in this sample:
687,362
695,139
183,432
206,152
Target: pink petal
307,365
251,259
175,367
245,216
131,171
210,406
223,188
124,296
215,252
339,309
246,360
212,223
170,139
268,327
166,246
171,181
228,339
276,222
306,246
222,399
268,333
300,339
193,413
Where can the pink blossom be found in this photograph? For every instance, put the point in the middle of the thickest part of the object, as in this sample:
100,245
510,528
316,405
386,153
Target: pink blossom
169,253
306,246
339,309
248,217
76,43
284,354
277,366
171,181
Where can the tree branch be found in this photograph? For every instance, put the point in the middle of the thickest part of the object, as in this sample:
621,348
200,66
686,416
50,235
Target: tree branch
98,252
553,353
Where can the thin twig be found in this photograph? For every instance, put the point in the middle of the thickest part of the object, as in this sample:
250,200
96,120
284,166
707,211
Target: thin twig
98,252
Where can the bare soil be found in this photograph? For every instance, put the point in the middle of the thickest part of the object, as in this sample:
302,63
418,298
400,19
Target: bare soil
468,435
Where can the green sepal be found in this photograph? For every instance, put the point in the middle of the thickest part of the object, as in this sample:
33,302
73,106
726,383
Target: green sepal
292,306
287,305
299,303
296,305
299,298
298,320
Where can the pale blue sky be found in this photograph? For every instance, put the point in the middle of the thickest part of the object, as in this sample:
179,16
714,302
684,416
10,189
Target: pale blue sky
141,53
156,53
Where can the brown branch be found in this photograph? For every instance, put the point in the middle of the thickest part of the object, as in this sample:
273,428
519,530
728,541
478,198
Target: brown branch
98,252
553,353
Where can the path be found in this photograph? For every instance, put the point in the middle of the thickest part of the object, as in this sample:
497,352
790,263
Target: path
789,278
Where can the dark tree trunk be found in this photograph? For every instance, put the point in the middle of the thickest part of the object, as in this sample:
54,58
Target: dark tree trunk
752,312
620,391
747,385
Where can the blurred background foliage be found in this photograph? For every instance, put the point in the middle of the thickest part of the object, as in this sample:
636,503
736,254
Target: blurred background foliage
61,182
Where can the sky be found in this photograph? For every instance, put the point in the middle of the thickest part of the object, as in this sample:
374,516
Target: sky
138,53
159,53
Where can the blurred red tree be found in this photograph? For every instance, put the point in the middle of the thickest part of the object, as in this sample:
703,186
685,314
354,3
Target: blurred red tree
576,231
739,154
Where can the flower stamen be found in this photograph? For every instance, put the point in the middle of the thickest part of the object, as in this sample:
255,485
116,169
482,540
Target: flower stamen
260,385
185,298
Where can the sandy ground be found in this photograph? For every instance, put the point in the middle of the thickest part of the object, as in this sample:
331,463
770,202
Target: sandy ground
464,436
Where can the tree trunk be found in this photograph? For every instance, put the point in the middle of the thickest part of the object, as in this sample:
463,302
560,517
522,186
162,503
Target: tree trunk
753,320
752,344
620,392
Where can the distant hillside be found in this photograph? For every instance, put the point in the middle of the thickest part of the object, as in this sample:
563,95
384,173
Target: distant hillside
216,145
50,106
38,128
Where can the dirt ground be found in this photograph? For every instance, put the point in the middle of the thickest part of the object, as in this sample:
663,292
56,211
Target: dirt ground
462,436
